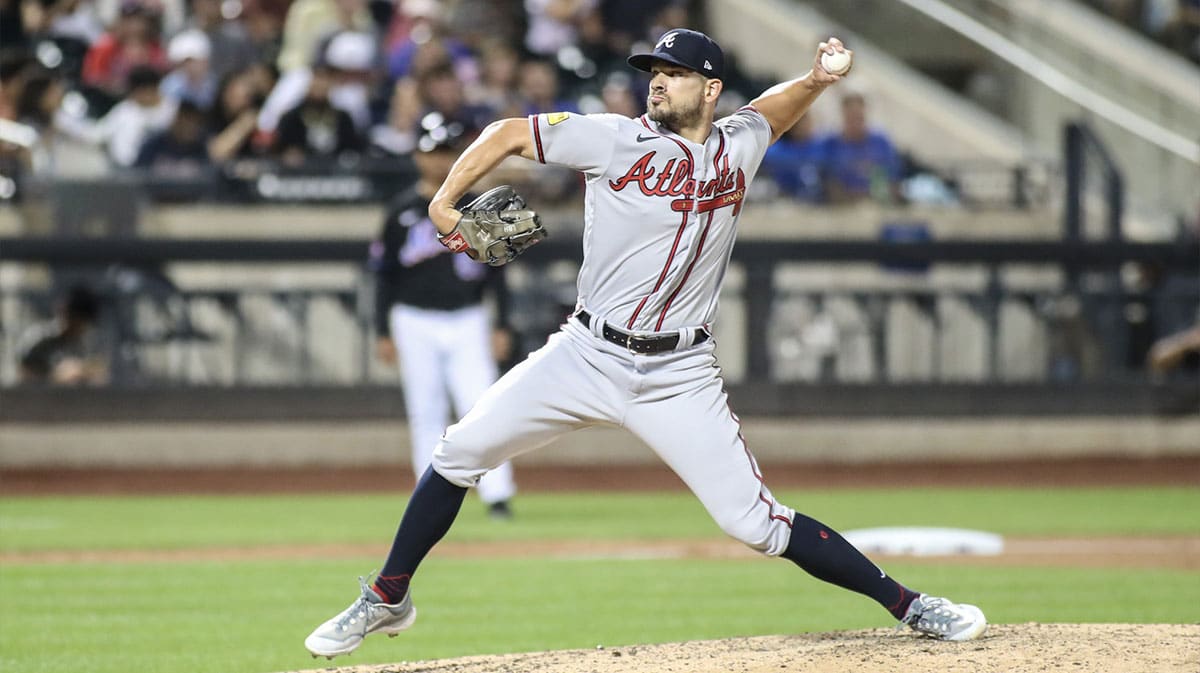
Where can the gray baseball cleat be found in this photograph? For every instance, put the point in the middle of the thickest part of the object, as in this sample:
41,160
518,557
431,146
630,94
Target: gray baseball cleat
367,614
943,619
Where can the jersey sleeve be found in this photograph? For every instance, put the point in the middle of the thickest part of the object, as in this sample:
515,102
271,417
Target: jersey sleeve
582,142
751,129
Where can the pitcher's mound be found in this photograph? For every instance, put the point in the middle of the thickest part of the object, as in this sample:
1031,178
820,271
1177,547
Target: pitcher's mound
1007,648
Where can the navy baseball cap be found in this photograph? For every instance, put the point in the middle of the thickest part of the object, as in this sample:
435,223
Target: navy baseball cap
688,48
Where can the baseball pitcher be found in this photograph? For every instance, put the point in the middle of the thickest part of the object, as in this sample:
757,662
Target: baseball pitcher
664,192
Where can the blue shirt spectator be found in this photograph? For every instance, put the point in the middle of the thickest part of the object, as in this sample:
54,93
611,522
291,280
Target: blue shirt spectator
404,59
796,162
538,86
860,162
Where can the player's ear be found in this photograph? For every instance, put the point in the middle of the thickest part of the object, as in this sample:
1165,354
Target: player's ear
712,89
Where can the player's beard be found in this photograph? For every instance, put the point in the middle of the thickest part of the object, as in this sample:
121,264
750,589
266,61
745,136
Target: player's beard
676,116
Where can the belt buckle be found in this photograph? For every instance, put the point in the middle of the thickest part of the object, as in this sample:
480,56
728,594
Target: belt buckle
629,343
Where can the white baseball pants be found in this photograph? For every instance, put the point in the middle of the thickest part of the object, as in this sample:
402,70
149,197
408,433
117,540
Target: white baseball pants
675,402
446,356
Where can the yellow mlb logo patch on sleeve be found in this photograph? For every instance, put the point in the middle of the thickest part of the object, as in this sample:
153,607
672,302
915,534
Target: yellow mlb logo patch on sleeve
556,117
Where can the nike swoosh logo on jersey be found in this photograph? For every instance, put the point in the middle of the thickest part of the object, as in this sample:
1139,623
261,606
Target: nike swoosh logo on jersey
641,138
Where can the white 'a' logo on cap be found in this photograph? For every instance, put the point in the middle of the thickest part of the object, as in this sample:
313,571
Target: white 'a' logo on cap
667,41
707,65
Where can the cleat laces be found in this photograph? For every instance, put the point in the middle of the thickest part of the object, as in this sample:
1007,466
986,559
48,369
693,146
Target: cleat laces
359,614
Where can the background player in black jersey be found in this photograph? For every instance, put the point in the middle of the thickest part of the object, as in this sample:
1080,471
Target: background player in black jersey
429,311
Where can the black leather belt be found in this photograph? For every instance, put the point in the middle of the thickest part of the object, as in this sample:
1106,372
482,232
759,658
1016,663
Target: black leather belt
645,345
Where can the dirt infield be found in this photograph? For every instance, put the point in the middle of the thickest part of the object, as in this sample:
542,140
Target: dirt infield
1007,648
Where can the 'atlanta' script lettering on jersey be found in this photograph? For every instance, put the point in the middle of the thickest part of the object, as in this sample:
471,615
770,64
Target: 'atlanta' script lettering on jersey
673,179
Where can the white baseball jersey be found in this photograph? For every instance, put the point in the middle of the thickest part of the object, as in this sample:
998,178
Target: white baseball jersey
660,212
659,225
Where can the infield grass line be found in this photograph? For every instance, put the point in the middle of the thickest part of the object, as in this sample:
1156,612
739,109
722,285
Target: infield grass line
184,522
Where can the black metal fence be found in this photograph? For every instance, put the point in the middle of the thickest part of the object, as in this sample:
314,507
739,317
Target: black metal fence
1093,330
909,325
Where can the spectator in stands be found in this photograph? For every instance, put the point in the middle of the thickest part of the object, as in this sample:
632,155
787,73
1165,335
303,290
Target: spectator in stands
673,14
795,162
590,60
539,89
74,20
263,77
64,351
310,22
233,120
477,21
170,14
428,44
232,50
16,66
181,150
618,96
860,162
349,58
553,24
394,137
441,91
498,84
39,95
263,20
192,80
131,42
315,130
627,22
66,145
144,112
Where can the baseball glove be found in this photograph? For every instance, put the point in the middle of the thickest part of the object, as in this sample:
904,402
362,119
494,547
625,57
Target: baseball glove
495,228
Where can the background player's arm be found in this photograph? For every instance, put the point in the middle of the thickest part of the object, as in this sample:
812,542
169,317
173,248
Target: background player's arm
500,140
785,103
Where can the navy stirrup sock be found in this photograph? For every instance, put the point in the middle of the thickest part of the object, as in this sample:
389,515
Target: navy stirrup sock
824,554
430,513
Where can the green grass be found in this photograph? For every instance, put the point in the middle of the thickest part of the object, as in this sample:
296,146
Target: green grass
224,618
251,616
225,521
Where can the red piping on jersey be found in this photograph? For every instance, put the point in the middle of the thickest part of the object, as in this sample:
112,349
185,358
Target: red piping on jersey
720,151
699,249
754,470
661,276
678,234
537,138
709,206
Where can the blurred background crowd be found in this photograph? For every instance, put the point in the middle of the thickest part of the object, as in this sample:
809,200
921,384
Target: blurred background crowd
183,87
134,122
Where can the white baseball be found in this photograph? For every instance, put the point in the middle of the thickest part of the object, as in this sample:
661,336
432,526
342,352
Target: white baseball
837,63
